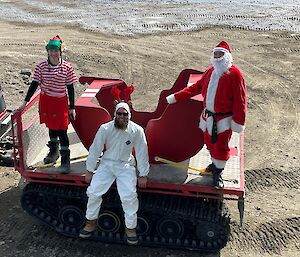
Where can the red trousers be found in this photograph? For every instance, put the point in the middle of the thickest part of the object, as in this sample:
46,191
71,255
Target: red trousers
219,150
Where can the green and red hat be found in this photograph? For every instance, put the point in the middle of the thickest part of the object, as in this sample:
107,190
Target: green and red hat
54,43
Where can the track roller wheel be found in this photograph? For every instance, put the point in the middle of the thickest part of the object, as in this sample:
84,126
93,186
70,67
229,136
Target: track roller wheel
109,222
71,216
143,225
212,234
170,228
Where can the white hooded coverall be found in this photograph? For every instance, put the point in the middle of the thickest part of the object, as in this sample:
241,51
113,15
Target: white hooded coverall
117,163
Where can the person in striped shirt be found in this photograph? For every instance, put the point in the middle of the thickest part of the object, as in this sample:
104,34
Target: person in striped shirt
56,79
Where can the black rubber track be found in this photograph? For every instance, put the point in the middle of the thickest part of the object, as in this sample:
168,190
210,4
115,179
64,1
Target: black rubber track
163,220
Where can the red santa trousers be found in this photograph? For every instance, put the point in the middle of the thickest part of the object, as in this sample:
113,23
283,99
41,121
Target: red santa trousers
219,150
54,112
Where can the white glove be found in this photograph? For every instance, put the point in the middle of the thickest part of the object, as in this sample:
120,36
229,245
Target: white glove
72,114
171,99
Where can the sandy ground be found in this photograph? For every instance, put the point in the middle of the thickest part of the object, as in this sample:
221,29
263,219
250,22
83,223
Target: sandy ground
270,62
130,17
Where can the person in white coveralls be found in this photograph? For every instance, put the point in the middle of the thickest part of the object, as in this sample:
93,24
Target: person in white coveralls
118,137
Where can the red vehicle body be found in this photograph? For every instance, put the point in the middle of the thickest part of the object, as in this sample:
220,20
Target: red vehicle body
179,208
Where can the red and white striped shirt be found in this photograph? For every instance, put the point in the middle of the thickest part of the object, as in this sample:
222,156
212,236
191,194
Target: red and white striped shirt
53,80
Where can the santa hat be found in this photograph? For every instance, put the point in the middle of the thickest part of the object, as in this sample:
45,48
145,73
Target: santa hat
222,47
125,106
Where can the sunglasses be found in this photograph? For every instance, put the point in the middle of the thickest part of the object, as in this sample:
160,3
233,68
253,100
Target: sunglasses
125,114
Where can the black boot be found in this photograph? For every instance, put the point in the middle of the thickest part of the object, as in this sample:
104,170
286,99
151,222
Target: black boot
211,167
53,154
65,161
217,178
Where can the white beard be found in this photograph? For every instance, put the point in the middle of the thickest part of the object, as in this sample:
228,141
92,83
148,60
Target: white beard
221,64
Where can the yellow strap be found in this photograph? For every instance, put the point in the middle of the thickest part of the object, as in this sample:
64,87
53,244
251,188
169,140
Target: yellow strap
54,163
202,171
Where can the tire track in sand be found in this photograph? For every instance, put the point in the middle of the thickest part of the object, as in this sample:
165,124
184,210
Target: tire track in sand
260,179
270,237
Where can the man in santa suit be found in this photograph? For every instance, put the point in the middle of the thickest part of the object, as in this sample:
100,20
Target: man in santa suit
224,91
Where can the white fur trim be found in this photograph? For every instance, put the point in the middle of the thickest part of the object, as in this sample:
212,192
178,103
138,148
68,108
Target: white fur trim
220,164
209,124
222,125
202,124
237,127
211,91
220,49
171,99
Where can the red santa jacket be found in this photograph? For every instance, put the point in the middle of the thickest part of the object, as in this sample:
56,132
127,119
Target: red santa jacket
227,95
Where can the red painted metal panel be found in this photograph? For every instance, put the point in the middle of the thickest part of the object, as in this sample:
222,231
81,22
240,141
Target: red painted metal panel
169,137
88,120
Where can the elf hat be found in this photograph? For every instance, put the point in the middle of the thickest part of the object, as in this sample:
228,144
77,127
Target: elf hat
55,43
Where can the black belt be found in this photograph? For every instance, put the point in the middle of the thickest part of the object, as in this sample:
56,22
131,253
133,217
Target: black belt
214,133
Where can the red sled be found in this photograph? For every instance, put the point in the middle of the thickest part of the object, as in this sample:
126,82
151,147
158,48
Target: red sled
179,208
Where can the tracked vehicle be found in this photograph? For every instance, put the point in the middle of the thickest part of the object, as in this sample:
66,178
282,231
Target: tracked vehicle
179,208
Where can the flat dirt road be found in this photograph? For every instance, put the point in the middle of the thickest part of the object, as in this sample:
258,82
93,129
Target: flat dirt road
270,63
